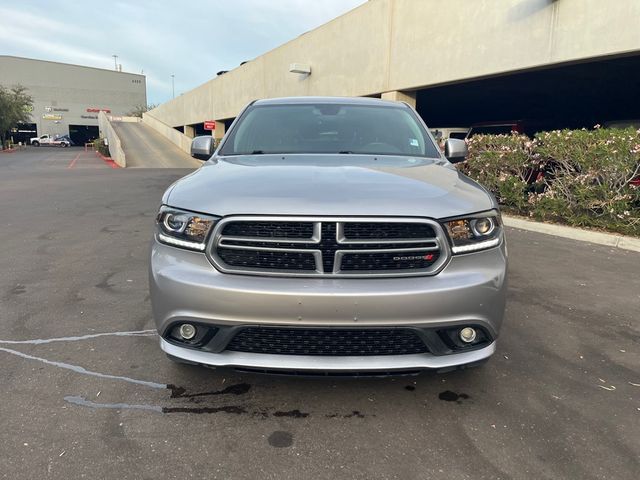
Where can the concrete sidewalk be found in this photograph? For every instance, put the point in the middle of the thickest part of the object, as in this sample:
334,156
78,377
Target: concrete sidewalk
600,238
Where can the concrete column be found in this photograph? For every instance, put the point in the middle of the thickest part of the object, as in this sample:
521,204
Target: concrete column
218,133
398,96
189,131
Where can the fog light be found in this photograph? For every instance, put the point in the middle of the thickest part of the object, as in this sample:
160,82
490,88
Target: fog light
188,331
467,335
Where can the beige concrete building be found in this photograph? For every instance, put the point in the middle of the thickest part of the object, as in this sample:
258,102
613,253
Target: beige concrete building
458,61
67,98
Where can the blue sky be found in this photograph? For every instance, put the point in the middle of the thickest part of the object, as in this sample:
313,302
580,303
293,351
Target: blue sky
192,40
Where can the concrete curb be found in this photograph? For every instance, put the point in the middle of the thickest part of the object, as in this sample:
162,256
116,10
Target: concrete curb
108,160
600,238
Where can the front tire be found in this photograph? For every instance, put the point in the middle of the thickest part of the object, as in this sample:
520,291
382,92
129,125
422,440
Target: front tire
35,144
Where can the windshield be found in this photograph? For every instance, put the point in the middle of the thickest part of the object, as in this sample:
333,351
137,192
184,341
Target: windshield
329,128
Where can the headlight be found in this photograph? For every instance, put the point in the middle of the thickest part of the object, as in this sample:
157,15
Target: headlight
475,232
184,229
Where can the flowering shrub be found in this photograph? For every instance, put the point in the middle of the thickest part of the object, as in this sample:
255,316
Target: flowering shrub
587,178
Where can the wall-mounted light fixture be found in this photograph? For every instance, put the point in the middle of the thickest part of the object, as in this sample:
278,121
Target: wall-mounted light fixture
303,68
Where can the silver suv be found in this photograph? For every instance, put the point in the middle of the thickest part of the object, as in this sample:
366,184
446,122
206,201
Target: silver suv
328,235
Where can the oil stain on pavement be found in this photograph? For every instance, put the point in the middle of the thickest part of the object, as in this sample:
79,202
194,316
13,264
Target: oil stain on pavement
181,392
449,396
280,439
176,392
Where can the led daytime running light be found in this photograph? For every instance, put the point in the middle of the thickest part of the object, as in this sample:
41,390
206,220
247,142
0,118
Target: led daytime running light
181,243
476,246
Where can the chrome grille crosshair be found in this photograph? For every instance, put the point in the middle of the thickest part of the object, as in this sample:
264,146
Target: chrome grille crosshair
328,246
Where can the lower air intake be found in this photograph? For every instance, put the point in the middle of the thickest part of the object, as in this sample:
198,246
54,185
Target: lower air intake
327,342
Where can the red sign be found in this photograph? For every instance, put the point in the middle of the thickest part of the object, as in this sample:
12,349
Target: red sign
210,125
96,110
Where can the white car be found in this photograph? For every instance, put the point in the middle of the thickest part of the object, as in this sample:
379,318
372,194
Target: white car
49,140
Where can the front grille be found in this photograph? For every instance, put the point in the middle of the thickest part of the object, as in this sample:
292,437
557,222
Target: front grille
327,342
326,246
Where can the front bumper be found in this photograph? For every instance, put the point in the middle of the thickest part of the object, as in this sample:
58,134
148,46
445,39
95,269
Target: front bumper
301,363
185,287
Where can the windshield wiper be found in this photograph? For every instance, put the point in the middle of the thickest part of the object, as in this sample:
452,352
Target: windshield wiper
345,152
257,152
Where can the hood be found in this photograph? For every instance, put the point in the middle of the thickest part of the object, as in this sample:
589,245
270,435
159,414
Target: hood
330,185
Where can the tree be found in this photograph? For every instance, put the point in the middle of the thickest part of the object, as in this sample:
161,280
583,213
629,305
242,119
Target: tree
15,107
140,109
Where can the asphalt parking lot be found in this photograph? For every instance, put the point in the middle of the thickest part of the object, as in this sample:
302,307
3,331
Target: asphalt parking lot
560,399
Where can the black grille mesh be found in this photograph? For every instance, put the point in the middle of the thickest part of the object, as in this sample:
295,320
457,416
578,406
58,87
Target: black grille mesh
328,246
268,260
388,261
327,342
383,231
295,230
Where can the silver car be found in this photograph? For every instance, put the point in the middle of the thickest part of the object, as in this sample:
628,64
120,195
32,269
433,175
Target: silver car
328,236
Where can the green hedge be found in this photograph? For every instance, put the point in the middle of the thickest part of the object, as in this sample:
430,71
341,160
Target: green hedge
576,177
100,145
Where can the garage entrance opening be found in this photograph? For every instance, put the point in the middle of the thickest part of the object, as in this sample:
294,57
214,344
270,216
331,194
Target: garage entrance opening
566,96
23,133
81,134
198,130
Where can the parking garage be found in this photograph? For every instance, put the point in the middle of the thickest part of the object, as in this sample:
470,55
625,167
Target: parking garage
536,64
579,95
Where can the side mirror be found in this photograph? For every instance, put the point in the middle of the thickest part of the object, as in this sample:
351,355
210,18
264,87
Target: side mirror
456,150
202,147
